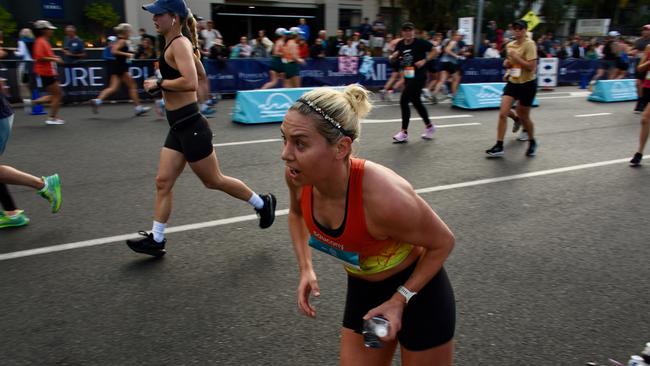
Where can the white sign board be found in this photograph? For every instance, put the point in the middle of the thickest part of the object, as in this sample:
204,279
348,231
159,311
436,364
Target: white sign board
467,24
592,27
547,72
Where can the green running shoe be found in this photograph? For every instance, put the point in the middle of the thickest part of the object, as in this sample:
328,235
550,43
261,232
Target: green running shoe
52,191
16,220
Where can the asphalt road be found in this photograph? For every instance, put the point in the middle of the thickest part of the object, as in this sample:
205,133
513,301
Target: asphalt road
550,265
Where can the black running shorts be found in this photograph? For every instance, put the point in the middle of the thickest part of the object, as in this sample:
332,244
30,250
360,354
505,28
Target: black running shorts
606,64
450,67
639,75
189,133
429,319
524,93
48,80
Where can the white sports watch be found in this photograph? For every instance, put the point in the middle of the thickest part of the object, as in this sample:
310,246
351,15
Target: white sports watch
408,294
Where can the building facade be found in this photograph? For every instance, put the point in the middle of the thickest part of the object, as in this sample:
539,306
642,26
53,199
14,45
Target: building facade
235,18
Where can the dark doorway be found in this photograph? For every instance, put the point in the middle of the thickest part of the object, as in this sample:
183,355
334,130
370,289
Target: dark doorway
234,21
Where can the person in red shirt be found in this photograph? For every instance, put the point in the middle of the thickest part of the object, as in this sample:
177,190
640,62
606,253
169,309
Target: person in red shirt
303,48
45,68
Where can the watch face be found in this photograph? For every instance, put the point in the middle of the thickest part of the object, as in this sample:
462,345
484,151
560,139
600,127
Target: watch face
406,292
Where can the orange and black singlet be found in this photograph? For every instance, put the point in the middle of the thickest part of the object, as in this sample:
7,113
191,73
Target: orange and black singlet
352,243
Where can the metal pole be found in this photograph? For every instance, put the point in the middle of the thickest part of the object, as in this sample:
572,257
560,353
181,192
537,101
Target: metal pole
479,24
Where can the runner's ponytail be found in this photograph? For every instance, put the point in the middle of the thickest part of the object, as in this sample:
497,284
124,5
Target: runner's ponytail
189,30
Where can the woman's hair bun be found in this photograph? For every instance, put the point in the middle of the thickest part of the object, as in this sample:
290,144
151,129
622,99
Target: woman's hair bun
359,99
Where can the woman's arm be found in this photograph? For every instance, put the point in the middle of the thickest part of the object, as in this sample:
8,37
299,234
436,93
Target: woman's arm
115,49
450,47
416,223
299,237
644,62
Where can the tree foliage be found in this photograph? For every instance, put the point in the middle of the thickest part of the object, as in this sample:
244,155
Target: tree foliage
7,24
102,14
443,14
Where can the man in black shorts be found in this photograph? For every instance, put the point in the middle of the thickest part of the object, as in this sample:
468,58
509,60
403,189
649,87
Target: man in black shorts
521,62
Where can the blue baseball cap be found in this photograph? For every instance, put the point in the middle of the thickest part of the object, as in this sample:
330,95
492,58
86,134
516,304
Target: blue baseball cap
167,6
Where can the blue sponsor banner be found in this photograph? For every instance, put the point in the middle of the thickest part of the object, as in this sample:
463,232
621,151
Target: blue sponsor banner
53,9
249,74
482,70
265,106
620,90
480,95
84,79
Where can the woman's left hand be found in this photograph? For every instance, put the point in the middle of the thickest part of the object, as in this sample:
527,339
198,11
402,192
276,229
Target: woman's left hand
392,311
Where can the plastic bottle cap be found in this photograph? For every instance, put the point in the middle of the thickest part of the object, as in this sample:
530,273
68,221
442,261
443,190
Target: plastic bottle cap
381,332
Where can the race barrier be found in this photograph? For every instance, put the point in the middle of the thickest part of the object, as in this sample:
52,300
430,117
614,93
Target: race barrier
265,106
621,90
84,79
479,96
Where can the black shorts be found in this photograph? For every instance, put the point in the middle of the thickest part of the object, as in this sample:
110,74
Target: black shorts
450,67
524,93
395,65
433,66
119,69
622,65
606,64
47,80
639,75
645,96
189,133
429,319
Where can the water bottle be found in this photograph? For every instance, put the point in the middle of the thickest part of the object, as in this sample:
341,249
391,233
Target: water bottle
373,329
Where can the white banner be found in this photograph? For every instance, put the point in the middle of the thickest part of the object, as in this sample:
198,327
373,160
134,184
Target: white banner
547,72
592,27
467,24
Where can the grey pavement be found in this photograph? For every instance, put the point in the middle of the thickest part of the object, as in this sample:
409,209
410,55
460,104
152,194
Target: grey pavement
547,270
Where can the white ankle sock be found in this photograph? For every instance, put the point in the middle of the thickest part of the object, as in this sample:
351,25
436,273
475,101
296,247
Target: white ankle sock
158,231
256,201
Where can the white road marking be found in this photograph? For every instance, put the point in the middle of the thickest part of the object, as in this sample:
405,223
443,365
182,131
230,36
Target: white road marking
592,115
231,220
573,95
245,142
459,125
519,176
416,118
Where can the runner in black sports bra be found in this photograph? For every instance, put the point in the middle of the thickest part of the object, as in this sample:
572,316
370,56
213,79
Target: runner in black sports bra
119,72
189,140
168,72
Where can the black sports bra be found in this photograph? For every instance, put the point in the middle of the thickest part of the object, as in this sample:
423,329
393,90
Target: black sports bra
168,72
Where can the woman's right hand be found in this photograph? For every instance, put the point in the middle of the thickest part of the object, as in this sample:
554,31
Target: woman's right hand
308,286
